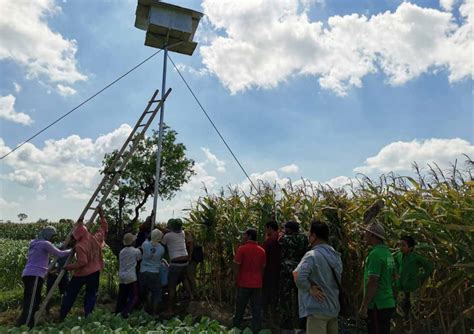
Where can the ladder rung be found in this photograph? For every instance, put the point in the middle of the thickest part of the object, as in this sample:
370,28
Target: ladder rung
149,112
154,101
141,125
92,208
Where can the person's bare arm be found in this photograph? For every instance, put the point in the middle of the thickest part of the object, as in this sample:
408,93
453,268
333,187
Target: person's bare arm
372,286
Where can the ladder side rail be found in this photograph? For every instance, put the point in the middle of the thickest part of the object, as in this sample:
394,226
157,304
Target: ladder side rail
49,295
134,130
118,155
115,178
122,165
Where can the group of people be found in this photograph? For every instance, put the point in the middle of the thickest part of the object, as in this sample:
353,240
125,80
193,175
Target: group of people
86,269
143,270
294,280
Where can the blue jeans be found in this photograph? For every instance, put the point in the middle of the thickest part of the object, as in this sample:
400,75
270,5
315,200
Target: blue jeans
77,282
242,299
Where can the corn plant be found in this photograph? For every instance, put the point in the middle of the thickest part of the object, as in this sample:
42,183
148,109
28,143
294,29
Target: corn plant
437,208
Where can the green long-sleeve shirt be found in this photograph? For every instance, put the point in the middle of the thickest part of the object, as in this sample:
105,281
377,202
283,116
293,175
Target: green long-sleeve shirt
413,269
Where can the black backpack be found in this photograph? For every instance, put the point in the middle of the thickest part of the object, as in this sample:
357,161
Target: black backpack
198,254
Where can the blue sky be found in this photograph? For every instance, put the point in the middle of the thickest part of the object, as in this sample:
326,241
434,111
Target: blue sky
313,89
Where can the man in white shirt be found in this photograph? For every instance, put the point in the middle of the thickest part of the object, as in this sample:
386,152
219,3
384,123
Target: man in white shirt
128,285
176,245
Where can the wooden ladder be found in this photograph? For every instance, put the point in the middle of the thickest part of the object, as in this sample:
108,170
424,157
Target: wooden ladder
109,180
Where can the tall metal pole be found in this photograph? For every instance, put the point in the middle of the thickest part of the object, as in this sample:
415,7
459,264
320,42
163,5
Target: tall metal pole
160,138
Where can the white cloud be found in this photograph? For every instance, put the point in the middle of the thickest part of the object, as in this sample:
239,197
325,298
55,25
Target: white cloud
338,182
447,4
76,194
65,90
26,39
189,193
191,70
72,161
267,42
289,169
27,178
4,204
7,111
399,156
17,87
271,177
211,158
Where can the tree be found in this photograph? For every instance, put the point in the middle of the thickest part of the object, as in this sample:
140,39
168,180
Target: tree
137,182
22,216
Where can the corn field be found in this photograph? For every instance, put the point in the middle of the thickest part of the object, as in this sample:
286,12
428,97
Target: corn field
436,208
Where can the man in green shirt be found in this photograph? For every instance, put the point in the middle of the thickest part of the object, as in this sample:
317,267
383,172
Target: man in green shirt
378,304
413,270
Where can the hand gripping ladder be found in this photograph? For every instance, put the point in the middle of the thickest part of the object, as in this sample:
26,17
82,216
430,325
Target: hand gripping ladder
111,176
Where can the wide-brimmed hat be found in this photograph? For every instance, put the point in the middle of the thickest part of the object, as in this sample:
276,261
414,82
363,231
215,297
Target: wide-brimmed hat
376,229
156,236
129,239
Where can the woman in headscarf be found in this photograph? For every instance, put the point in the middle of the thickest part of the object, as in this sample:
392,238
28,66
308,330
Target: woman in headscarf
35,270
89,263
150,282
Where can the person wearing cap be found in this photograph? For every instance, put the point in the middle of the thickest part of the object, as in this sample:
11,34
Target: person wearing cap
35,271
86,269
378,303
249,264
128,286
175,242
293,247
150,282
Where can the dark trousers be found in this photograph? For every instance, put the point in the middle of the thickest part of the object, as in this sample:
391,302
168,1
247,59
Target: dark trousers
242,299
150,291
31,300
127,298
77,282
270,293
62,286
406,305
379,321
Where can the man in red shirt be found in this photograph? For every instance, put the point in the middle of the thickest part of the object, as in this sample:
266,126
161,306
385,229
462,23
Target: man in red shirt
249,264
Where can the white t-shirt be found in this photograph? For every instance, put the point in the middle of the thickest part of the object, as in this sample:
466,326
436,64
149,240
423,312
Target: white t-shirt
176,244
128,258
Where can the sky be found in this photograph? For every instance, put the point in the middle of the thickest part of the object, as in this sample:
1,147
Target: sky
314,89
